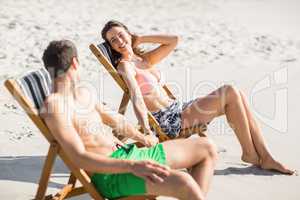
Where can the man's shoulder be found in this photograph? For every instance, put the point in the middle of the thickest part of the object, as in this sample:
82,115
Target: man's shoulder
53,104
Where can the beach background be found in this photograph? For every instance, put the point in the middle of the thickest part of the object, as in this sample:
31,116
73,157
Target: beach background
252,44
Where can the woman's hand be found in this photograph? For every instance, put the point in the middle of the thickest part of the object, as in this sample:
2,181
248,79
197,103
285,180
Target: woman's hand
150,171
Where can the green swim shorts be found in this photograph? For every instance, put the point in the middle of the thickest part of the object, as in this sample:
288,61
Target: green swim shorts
114,186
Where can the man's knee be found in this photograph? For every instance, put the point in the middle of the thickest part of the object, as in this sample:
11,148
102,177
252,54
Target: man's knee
211,149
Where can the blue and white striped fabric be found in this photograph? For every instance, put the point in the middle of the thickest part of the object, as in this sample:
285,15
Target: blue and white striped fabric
36,86
106,51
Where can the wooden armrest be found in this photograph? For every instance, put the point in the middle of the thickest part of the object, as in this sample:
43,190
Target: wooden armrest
198,129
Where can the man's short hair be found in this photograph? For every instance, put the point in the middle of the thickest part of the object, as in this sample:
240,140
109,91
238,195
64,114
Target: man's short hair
58,56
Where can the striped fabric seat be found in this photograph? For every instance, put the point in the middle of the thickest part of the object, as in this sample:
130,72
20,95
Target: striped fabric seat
36,86
106,50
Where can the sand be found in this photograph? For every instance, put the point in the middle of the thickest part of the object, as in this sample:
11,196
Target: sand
254,45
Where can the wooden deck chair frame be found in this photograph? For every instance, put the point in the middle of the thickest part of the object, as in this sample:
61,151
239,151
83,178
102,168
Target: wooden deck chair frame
200,130
55,149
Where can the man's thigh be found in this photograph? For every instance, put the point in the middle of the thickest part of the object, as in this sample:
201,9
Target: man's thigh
185,153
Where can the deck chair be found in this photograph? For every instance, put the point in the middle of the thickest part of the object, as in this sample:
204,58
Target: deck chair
103,54
30,91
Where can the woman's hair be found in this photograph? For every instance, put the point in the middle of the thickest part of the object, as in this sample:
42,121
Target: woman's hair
116,56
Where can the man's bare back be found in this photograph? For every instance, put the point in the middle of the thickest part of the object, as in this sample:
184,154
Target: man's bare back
84,115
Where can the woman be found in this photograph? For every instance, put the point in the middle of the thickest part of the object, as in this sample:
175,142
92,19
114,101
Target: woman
145,85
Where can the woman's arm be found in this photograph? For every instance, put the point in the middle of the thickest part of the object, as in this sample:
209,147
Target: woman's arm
127,72
167,44
122,127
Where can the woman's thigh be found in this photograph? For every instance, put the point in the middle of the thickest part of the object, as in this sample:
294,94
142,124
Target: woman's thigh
204,109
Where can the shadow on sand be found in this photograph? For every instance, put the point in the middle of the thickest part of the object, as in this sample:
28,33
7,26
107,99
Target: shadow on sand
28,169
249,170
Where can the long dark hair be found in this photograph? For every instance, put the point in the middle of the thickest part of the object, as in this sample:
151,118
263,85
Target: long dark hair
116,56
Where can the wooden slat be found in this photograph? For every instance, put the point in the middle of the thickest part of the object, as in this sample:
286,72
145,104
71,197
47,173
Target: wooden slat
142,197
82,176
168,91
72,179
155,125
124,103
63,192
76,191
108,66
46,172
200,130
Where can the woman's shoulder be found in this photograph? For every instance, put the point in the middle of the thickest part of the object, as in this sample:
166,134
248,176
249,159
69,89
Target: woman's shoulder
125,66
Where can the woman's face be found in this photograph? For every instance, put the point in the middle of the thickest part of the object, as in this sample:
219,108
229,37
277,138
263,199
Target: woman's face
119,39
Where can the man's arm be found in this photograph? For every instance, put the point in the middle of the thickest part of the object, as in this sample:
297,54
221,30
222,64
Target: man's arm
119,123
64,132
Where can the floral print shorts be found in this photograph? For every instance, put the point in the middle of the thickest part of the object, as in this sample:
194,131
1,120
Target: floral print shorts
169,118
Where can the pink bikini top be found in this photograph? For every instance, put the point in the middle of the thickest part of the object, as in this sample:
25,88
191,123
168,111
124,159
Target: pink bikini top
147,81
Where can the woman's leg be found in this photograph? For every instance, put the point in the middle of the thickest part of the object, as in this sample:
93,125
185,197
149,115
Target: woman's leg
229,101
266,159
225,100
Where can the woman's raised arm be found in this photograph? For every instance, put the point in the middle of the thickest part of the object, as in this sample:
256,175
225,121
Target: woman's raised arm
167,44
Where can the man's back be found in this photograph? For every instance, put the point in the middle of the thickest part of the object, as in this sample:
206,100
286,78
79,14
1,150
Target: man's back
82,116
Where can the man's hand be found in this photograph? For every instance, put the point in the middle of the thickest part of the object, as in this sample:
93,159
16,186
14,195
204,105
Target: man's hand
150,140
150,171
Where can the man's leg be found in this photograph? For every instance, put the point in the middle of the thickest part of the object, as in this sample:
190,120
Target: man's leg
198,154
178,184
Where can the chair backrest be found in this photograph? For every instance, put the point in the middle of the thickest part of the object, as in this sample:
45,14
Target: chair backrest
30,90
106,50
103,53
36,86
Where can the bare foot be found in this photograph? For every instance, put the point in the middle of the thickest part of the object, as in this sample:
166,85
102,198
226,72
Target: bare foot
272,164
252,159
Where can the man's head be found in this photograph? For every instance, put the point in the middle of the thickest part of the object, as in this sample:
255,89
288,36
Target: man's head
59,56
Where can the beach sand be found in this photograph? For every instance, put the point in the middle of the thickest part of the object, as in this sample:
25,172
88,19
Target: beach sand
254,45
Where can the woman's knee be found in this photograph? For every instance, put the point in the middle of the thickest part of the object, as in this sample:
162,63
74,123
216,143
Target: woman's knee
232,93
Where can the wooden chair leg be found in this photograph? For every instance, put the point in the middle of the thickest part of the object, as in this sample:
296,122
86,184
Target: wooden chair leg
72,179
82,176
63,192
124,103
76,191
46,172
68,190
142,197
122,110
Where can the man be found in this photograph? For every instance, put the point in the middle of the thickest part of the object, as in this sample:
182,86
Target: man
118,169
